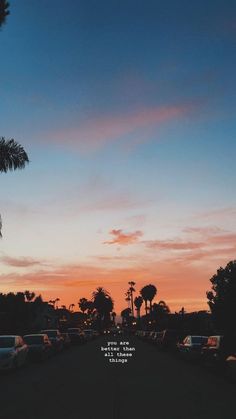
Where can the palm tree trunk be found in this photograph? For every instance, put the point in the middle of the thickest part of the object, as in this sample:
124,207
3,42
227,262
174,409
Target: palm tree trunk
146,308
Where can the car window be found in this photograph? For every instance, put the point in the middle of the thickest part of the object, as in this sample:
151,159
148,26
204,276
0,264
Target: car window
7,341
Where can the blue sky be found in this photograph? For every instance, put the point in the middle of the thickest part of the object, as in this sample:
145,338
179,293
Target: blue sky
127,112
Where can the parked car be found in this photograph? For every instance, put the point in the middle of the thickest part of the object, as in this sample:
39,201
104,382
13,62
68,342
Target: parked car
156,336
150,336
92,334
167,339
76,335
214,353
13,352
39,346
66,340
191,347
55,338
230,367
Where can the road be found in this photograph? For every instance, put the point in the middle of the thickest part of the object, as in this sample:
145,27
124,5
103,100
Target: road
82,383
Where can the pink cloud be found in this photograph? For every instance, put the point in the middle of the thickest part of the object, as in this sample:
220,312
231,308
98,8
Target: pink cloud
121,238
20,262
210,245
96,132
172,244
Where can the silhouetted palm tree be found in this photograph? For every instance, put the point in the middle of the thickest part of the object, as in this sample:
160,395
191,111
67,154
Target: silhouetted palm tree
83,304
103,303
138,301
12,157
128,298
4,12
113,315
144,295
132,290
148,293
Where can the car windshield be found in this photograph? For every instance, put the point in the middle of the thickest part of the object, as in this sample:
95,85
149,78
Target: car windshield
199,339
33,340
7,342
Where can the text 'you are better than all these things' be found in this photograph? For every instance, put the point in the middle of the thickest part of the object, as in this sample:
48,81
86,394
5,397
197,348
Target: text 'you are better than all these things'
118,352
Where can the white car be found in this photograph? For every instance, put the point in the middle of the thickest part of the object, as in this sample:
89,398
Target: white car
13,352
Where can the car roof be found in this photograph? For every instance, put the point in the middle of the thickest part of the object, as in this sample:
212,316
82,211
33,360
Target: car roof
9,336
35,334
50,330
215,336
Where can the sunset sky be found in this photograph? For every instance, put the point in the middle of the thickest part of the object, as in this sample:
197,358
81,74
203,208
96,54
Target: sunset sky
127,111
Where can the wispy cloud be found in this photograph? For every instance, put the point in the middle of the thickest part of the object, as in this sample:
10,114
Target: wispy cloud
219,213
121,238
172,244
95,132
20,262
207,243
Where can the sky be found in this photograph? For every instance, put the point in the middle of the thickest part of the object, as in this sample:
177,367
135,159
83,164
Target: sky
127,112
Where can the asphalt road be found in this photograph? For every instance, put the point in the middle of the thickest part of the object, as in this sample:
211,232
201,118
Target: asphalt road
82,383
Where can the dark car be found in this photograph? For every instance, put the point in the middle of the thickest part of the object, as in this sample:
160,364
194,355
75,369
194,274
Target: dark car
230,367
39,346
150,336
167,339
76,335
191,347
55,338
214,353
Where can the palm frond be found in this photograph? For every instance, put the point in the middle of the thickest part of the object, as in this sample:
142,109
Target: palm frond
4,12
12,155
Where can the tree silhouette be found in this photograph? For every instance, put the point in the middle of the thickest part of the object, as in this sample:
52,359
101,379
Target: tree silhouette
12,157
4,12
222,298
148,293
83,304
131,291
113,315
138,301
103,303
29,295
160,311
125,314
54,302
128,297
